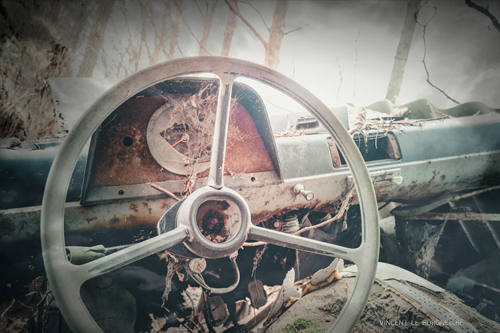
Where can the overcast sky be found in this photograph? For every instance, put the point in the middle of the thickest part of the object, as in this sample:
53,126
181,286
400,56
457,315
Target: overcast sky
345,50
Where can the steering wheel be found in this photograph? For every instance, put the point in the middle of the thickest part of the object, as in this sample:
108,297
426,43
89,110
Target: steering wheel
66,279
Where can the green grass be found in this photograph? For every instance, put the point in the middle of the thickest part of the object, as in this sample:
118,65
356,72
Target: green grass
302,325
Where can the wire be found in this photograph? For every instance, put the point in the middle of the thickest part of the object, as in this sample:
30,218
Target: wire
234,285
201,280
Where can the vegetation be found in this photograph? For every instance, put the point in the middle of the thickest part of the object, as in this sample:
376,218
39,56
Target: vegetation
302,325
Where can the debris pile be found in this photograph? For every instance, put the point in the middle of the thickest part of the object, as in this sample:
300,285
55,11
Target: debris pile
28,313
213,227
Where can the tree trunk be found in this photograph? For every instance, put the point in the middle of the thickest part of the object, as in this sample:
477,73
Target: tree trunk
231,24
96,39
79,26
207,22
75,36
276,34
402,51
174,30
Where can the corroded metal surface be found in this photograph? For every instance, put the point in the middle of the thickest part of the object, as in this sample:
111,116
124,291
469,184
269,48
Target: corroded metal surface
267,197
122,149
24,223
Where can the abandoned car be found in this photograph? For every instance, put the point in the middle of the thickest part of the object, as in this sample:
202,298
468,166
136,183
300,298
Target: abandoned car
181,202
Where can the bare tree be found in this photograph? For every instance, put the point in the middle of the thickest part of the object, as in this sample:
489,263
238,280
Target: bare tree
74,31
174,31
276,31
129,54
79,25
96,39
485,11
231,24
276,34
159,31
403,50
207,16
153,35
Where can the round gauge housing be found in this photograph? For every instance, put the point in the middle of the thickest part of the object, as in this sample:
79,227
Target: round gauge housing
177,140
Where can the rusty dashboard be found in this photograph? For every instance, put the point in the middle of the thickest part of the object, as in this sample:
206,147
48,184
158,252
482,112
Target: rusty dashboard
163,135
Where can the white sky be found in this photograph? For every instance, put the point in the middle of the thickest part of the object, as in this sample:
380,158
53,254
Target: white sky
352,41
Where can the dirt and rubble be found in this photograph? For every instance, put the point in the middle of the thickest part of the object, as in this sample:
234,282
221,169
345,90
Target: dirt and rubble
214,227
26,311
386,311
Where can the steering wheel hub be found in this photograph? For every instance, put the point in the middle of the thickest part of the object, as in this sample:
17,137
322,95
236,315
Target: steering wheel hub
218,221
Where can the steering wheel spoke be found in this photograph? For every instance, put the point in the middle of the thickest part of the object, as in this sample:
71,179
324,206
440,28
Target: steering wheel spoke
302,243
216,175
131,254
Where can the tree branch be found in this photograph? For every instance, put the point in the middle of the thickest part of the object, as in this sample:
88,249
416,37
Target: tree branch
262,18
174,29
185,22
180,51
231,24
424,26
429,81
484,11
189,28
96,38
296,29
199,9
167,192
237,13
207,22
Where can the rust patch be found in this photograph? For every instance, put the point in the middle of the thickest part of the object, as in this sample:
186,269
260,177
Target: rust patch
121,222
122,147
133,207
117,158
132,219
245,152
336,161
90,219
419,190
380,193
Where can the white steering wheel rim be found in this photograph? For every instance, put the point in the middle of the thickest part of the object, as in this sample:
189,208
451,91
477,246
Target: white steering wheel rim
63,276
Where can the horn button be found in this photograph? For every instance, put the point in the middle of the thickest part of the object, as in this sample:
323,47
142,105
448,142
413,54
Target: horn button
218,221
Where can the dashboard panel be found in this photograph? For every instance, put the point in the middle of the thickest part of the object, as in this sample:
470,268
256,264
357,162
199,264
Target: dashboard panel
165,134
